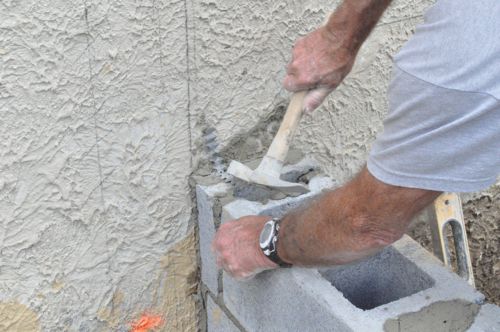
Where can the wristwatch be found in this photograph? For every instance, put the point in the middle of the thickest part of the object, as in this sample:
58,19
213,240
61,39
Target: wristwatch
268,241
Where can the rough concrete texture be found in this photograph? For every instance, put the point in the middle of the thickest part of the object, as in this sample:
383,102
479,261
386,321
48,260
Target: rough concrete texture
217,320
94,161
402,285
482,216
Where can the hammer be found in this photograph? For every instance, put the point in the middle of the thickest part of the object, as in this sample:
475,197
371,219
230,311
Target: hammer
269,170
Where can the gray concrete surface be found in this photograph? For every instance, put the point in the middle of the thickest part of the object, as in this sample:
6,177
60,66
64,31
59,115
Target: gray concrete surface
487,320
381,279
209,209
217,320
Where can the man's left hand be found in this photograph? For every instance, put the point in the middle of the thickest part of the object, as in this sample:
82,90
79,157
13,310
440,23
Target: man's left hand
237,250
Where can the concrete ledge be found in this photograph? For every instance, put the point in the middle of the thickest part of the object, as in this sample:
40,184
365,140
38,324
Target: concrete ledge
275,208
209,207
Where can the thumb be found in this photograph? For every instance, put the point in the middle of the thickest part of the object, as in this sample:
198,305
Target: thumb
315,97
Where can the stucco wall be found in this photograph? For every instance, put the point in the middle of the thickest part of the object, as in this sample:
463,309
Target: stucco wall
94,164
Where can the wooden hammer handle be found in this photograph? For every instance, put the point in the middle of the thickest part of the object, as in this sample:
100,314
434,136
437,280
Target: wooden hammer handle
281,142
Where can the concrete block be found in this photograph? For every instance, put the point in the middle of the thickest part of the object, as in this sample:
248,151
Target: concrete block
404,285
275,208
487,320
217,320
207,198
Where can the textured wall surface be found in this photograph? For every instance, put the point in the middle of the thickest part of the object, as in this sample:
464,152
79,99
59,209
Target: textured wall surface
94,161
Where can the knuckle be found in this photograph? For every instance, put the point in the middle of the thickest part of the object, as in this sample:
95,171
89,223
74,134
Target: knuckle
224,256
235,268
304,80
217,243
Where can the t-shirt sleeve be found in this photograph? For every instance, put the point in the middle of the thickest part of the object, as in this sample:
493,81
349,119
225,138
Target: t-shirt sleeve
437,138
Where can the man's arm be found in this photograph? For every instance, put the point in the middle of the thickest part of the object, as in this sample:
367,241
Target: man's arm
322,59
342,226
350,223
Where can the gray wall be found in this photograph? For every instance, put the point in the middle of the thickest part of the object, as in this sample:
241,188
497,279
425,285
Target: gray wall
103,104
94,160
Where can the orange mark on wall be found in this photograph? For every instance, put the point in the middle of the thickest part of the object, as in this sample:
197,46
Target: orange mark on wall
146,323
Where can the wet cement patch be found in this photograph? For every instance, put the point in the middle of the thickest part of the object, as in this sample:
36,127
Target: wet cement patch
446,316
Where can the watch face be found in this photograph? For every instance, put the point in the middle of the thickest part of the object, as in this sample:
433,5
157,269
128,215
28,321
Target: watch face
266,235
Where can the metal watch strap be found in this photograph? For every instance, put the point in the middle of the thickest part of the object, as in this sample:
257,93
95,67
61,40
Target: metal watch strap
273,255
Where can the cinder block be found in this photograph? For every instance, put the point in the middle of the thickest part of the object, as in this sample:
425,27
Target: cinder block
217,320
275,208
404,285
208,214
487,320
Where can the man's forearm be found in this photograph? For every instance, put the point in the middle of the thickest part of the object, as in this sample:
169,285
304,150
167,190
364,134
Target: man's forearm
350,223
353,20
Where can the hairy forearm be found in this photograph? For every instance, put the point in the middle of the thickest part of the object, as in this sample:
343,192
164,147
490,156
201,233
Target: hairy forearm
353,20
350,223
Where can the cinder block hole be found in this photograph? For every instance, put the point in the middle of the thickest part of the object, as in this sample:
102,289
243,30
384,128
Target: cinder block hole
383,278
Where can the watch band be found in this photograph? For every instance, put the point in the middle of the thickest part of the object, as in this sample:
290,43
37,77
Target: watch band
273,255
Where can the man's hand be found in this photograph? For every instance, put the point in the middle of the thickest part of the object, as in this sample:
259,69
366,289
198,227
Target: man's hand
322,59
237,250
319,63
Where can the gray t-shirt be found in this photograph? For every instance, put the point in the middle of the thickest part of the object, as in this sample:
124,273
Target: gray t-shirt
442,131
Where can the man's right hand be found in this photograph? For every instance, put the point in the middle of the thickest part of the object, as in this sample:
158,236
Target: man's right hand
319,63
322,59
